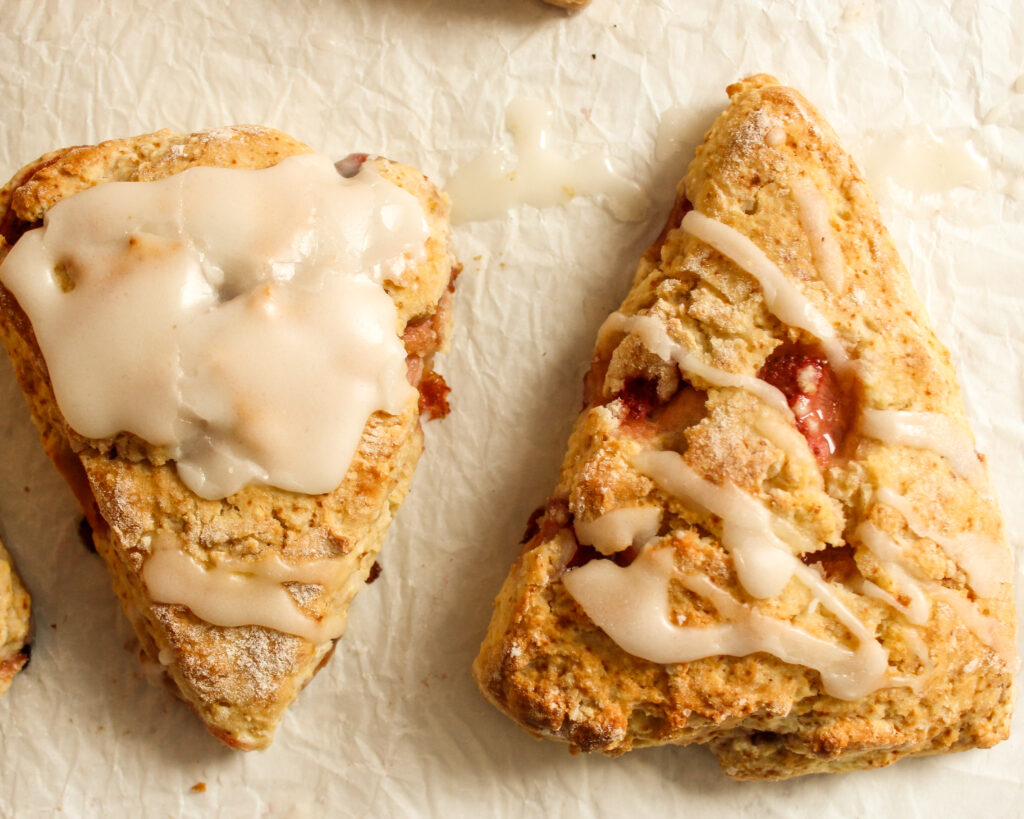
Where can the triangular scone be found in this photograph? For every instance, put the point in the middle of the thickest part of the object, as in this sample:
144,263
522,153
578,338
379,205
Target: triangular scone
261,554
15,621
772,534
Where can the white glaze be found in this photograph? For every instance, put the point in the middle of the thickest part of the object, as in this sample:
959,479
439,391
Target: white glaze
760,543
780,295
986,562
928,430
814,219
619,529
631,605
890,556
920,161
494,183
876,592
988,630
920,649
236,317
787,438
867,669
236,592
653,335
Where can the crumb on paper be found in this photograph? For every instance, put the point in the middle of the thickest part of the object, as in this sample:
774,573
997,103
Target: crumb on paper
199,787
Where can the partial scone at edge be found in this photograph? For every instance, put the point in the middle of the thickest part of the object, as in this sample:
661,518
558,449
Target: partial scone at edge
882,527
239,680
15,621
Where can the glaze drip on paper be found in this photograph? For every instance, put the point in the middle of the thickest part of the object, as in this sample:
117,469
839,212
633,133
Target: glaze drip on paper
496,182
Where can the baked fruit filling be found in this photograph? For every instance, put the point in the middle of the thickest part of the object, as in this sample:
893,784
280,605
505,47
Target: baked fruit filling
423,337
820,408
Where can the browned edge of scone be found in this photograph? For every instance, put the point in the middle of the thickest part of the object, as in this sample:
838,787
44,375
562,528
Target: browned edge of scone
551,526
569,5
548,667
96,470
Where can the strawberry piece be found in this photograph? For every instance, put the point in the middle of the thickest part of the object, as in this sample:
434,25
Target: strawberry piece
815,395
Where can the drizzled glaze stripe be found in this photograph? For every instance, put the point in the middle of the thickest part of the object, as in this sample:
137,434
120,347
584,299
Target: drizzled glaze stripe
814,219
652,333
916,611
758,541
791,442
749,533
931,431
988,630
891,558
619,529
237,592
986,562
780,295
631,605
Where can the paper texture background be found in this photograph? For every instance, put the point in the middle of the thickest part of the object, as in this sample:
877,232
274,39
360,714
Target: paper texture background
394,725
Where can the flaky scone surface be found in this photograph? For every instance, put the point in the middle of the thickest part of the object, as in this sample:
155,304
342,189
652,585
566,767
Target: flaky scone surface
547,664
239,680
15,621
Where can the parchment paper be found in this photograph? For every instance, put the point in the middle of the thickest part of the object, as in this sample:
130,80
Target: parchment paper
394,726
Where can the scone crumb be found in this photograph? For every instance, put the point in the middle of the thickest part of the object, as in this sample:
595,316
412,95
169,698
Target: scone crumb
199,787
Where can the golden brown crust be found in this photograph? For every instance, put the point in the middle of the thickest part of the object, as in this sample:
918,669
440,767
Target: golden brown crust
571,5
15,621
556,673
239,680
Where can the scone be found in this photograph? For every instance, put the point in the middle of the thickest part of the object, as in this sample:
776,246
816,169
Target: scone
772,534
226,342
14,621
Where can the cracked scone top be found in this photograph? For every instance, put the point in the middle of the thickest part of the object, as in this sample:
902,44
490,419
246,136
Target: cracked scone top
227,343
772,534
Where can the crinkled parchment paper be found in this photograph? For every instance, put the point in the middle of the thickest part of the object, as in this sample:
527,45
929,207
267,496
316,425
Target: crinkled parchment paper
394,726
